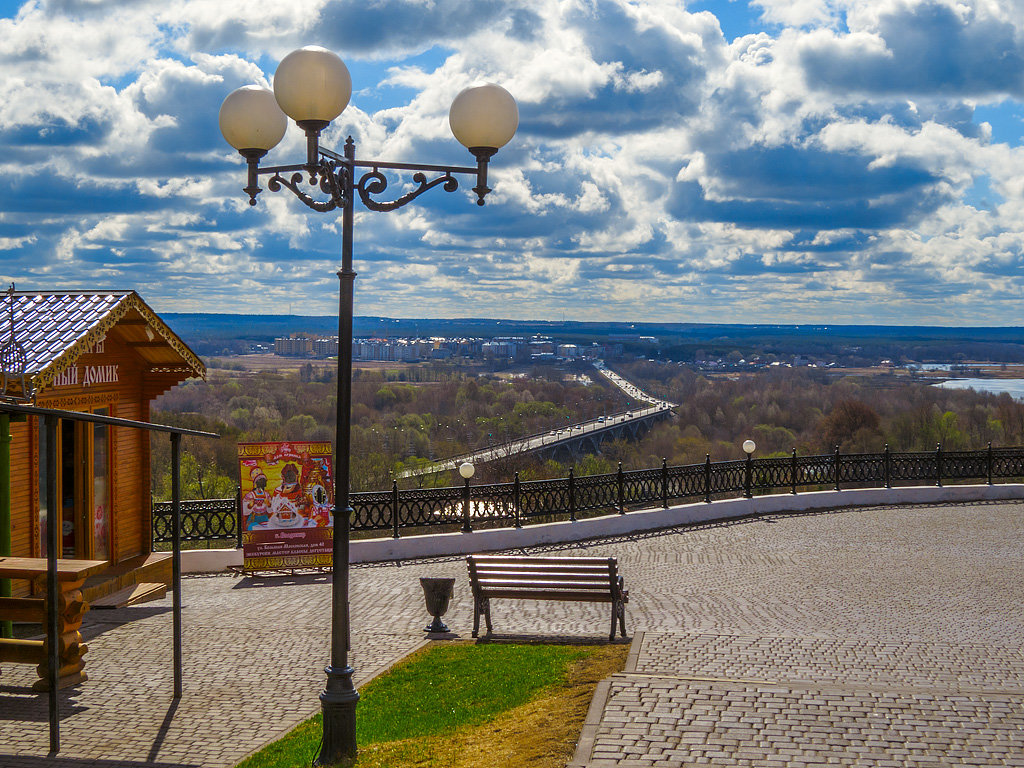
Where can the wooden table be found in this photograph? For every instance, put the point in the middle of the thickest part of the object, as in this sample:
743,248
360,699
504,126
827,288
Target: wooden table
71,606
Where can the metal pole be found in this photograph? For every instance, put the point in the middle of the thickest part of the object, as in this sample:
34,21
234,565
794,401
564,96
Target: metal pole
664,483
835,465
572,497
938,464
54,524
6,627
747,492
707,478
989,462
888,467
466,527
238,515
339,696
394,509
515,500
793,472
176,557
622,491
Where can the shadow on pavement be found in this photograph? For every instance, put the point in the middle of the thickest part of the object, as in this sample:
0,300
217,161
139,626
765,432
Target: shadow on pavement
55,761
18,703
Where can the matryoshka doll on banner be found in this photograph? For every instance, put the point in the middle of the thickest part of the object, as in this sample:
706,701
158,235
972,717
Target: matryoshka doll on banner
287,504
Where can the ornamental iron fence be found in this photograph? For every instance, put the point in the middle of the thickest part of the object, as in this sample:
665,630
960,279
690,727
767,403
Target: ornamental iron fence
520,502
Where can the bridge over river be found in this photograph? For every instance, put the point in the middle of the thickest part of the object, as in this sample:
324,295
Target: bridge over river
572,440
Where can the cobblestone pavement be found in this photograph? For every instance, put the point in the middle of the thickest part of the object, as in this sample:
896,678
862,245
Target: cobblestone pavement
874,636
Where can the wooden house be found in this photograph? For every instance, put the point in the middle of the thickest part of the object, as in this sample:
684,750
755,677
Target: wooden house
102,352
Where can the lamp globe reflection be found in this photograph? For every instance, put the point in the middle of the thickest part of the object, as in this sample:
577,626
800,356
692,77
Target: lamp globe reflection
313,86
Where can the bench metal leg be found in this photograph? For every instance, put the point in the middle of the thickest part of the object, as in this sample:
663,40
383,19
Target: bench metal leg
481,605
621,610
487,613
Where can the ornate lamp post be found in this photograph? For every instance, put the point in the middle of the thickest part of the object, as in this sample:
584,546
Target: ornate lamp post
312,86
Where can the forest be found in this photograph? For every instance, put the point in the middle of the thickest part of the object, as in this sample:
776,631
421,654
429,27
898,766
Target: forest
409,416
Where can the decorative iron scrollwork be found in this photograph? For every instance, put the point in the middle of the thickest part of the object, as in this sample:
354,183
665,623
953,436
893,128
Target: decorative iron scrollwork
329,177
375,183
14,362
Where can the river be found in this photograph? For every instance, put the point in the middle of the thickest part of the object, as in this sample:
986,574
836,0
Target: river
1015,387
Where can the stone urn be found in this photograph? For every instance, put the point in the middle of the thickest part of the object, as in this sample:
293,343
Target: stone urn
437,591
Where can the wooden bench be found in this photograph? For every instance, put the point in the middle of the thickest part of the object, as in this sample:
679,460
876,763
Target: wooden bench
71,607
586,579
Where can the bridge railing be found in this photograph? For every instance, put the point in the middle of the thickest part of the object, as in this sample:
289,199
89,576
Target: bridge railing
519,502
515,447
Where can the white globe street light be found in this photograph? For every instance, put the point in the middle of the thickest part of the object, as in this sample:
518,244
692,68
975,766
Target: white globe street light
466,470
312,86
748,447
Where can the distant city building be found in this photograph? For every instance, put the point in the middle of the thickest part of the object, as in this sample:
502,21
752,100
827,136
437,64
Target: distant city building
325,347
632,337
411,350
293,346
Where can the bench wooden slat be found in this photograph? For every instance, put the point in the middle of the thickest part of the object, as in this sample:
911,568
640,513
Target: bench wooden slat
600,581
22,651
491,585
574,561
553,572
528,594
27,609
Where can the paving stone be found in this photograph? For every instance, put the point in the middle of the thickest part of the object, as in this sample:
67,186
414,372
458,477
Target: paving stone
875,636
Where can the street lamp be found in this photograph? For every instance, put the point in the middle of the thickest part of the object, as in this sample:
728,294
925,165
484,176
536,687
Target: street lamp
467,470
748,448
312,86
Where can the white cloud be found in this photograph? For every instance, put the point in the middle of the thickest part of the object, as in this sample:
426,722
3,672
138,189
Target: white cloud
807,171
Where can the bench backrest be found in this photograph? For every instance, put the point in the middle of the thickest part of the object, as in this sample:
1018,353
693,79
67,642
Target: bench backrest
568,578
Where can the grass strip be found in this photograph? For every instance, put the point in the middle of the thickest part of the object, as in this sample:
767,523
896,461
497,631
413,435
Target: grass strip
466,704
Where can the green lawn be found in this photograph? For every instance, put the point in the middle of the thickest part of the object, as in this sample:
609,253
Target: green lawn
441,689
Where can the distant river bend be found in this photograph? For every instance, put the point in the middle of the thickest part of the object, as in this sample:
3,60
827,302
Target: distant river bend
1015,387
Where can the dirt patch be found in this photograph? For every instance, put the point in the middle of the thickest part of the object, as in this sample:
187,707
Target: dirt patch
540,734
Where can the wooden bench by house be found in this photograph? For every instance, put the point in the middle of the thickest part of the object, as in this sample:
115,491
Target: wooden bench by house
586,579
71,607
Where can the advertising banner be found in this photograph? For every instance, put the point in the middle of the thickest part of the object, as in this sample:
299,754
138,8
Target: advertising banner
287,495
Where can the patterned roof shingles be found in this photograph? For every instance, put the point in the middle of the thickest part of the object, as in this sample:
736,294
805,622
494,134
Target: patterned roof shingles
48,324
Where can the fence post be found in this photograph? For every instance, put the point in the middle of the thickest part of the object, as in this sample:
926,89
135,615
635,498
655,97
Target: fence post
887,467
836,463
238,514
394,509
989,462
572,496
515,500
707,478
622,491
938,464
792,471
747,492
664,483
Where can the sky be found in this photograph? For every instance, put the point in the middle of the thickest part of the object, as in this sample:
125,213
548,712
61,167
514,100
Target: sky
725,161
